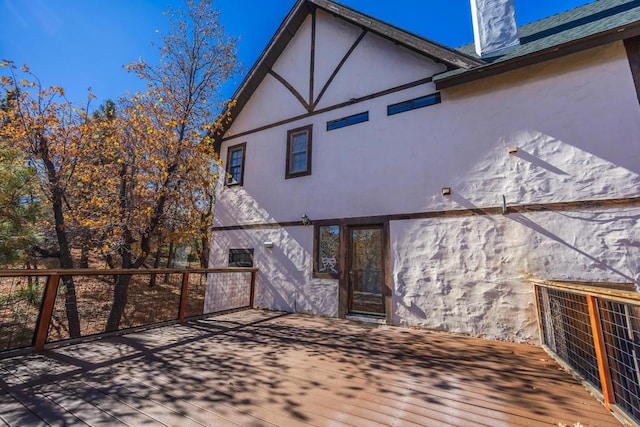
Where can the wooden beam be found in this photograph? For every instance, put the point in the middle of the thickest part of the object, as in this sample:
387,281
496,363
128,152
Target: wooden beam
46,310
291,89
601,352
338,67
252,290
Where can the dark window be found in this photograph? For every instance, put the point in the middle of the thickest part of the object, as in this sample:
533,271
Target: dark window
412,104
299,152
240,257
235,164
327,251
348,121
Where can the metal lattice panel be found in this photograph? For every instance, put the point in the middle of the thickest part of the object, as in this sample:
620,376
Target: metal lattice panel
621,331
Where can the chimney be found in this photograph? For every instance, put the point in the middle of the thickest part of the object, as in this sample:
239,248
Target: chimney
494,25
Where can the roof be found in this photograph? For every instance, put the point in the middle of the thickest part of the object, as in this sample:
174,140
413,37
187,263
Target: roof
452,58
584,27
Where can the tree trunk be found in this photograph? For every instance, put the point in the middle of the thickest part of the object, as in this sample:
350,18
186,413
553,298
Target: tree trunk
169,261
205,249
156,264
120,288
84,255
66,263
120,295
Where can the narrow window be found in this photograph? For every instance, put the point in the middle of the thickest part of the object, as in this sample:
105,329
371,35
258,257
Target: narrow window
327,251
240,257
299,152
413,104
235,164
348,121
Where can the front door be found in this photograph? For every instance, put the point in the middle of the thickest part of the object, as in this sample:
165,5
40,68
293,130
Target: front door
366,270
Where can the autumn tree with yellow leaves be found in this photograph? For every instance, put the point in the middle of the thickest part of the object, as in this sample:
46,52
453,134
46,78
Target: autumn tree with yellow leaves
138,170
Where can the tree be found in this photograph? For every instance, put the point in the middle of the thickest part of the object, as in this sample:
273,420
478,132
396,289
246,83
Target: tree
19,207
165,159
50,133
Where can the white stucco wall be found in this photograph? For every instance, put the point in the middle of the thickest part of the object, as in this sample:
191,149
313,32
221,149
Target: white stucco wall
575,121
576,124
469,274
284,280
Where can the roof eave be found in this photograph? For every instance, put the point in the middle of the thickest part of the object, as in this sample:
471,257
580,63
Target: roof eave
595,40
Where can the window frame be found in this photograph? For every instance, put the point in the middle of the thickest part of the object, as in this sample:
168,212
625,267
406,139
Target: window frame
232,252
230,150
411,103
316,253
290,134
351,120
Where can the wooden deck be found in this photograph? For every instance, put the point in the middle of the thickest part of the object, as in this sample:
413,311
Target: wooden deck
257,368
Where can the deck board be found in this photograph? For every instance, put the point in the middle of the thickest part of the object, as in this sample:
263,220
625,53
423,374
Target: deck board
258,368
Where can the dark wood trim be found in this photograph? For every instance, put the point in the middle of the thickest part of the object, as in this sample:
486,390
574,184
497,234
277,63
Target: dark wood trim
309,131
632,46
230,150
46,310
252,290
552,52
343,283
387,286
330,108
291,89
312,65
338,67
626,202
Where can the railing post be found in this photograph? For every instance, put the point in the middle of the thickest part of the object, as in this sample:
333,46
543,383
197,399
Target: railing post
252,291
536,297
601,352
183,296
48,301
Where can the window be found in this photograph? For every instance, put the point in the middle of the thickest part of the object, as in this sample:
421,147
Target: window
348,121
299,152
235,164
413,104
327,251
240,257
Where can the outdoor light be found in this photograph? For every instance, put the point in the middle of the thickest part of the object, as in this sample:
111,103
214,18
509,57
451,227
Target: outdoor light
306,220
446,191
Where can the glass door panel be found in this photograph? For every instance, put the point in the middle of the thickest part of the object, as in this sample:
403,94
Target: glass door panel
365,270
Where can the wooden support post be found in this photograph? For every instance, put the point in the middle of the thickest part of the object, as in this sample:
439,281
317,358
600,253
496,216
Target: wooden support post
539,314
183,296
48,301
601,352
252,290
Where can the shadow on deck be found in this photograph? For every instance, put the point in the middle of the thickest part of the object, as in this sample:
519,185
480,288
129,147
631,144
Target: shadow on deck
263,368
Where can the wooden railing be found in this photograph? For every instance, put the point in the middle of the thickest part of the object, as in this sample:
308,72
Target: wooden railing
41,307
593,329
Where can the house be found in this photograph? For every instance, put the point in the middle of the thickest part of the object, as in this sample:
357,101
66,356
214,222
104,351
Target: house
372,172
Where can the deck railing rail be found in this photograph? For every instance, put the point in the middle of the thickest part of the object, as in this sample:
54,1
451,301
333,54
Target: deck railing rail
594,330
36,305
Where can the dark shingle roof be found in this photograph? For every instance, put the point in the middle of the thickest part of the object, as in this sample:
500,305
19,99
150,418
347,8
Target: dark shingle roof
595,23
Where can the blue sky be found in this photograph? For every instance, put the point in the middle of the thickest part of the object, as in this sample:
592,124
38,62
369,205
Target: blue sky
84,43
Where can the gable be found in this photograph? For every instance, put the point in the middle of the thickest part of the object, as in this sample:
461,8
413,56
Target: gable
309,50
328,62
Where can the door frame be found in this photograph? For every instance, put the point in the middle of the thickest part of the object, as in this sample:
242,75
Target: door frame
345,254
